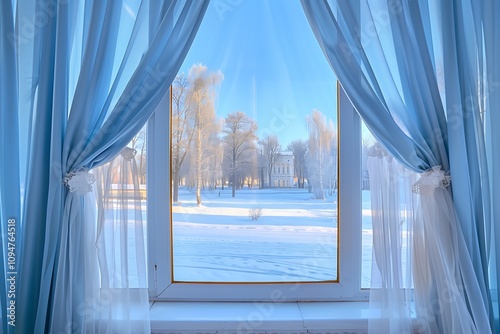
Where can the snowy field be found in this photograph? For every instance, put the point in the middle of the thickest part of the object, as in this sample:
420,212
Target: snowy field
295,239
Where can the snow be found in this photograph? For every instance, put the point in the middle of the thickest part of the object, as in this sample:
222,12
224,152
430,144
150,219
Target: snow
295,239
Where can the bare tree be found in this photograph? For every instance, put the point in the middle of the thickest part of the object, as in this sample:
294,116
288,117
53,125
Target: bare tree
182,129
201,95
239,138
138,143
249,166
332,165
271,149
321,135
214,159
299,150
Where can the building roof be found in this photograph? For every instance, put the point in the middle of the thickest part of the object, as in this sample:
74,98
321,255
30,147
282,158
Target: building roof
286,153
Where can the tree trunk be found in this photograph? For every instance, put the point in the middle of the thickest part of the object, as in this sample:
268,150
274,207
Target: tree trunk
175,195
233,191
261,178
321,193
198,167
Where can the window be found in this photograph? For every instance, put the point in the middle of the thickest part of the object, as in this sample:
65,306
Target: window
221,225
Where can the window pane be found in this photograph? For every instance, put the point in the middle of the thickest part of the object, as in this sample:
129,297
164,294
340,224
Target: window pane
254,150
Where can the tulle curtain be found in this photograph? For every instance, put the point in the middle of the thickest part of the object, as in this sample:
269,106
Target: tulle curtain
393,206
90,74
121,247
390,58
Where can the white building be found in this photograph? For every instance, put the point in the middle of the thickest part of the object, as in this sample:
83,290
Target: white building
282,173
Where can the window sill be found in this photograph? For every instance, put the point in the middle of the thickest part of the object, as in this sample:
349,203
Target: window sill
264,318
272,318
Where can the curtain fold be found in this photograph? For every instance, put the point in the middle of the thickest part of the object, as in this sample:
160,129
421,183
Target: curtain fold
491,118
465,88
121,246
99,68
10,219
387,55
392,223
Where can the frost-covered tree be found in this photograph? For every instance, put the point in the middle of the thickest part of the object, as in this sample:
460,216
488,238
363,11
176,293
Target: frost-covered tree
214,159
201,95
182,129
138,143
321,137
239,138
299,149
332,165
249,170
271,149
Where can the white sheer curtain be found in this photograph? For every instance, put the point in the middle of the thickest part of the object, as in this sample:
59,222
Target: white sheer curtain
422,277
90,74
392,203
447,296
384,54
120,275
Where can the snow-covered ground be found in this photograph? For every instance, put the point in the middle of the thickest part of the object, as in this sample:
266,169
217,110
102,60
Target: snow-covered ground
295,239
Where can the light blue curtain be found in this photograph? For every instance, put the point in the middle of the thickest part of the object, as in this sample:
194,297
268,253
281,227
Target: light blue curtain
415,71
468,77
10,219
98,70
491,25
471,47
374,91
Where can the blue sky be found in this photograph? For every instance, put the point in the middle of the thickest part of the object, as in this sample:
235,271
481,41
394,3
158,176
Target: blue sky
274,69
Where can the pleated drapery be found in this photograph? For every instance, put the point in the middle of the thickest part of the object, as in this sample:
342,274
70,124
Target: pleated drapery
90,74
415,73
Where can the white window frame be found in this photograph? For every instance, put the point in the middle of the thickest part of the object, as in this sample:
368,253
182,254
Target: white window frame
161,285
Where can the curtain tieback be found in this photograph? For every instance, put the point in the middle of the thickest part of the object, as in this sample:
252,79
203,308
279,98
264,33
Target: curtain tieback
376,150
79,181
430,180
128,153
